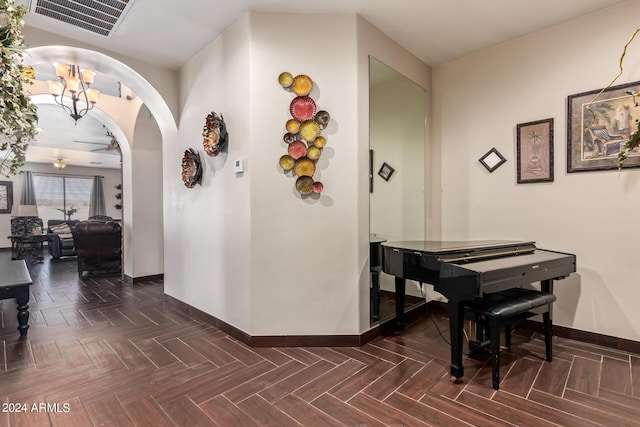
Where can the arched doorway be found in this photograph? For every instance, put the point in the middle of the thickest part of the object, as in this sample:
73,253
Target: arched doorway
124,130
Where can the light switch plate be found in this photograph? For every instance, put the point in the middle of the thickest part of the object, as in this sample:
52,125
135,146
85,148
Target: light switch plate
238,166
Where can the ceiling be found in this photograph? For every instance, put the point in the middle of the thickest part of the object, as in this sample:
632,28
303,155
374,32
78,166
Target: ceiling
83,144
169,32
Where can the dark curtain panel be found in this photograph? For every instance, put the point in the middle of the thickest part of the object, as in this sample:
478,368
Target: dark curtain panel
96,203
28,196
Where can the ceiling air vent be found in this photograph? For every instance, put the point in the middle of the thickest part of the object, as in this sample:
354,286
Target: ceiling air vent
98,16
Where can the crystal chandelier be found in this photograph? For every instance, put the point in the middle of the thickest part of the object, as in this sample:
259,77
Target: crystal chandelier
74,85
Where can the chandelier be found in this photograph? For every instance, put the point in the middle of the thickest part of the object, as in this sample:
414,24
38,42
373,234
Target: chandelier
74,85
60,164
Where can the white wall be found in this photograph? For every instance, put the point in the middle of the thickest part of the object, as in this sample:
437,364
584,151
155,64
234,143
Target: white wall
250,250
146,188
479,99
111,179
207,228
304,272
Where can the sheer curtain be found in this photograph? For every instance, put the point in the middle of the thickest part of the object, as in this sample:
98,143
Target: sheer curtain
28,196
96,202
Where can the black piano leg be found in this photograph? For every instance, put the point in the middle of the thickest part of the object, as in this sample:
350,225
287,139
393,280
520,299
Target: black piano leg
400,293
547,286
456,323
375,295
548,333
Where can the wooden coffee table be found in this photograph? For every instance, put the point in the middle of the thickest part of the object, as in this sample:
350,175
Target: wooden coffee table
14,283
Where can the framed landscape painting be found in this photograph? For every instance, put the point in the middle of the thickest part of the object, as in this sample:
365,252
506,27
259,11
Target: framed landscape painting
596,130
535,151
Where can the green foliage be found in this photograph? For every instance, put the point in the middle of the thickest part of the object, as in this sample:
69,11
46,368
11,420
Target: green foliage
18,115
633,142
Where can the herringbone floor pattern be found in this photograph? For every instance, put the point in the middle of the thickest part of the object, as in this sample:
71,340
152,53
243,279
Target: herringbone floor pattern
100,352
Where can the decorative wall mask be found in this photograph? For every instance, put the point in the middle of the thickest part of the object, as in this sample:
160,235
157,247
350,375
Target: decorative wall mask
214,134
303,133
191,168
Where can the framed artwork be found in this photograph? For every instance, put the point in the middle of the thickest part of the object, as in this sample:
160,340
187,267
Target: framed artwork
597,129
6,196
534,148
386,171
492,160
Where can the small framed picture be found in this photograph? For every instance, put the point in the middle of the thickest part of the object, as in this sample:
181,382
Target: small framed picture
386,171
492,160
535,151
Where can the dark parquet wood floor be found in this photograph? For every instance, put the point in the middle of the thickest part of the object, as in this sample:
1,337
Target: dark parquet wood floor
101,352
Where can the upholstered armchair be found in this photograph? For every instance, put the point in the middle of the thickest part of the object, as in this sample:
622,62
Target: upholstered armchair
99,246
60,238
21,225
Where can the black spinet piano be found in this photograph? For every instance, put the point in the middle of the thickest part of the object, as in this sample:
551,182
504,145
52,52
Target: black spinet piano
466,270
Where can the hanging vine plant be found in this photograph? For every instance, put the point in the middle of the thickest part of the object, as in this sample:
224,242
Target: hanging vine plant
18,115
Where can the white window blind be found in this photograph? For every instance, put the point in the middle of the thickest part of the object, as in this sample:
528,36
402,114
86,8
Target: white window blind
56,195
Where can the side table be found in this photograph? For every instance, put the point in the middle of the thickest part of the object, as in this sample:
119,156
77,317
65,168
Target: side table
28,244
14,283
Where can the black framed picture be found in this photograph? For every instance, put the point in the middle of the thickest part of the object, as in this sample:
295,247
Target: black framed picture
492,160
6,196
599,123
535,151
386,171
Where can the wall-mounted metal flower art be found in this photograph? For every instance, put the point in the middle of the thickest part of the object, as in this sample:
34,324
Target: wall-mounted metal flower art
303,133
191,168
214,134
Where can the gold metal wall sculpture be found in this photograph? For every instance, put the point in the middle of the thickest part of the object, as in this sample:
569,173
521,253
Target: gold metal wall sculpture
303,133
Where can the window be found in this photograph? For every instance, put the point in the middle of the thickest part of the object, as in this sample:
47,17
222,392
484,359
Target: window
57,195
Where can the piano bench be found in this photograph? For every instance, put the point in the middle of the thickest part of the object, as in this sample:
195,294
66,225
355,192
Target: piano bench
503,309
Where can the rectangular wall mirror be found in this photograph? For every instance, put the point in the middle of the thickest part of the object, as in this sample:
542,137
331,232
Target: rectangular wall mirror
396,177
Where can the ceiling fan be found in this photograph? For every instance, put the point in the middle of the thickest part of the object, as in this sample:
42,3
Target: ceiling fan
111,146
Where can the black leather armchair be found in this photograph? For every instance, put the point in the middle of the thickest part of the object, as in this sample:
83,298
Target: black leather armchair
61,244
99,246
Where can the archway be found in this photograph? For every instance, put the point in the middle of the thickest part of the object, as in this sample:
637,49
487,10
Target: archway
148,94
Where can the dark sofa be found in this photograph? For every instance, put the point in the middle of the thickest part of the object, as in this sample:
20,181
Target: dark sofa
99,246
60,244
